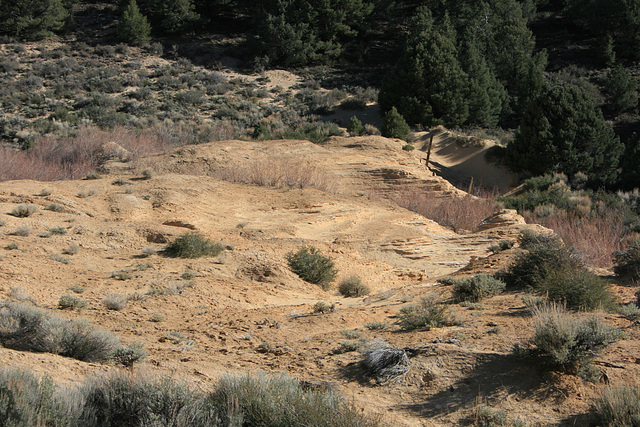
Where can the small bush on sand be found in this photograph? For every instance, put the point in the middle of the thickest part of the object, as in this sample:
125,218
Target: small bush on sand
280,400
628,262
26,328
130,354
28,401
548,267
384,362
619,406
428,314
115,301
193,245
352,286
313,267
569,343
477,288
24,210
71,302
23,231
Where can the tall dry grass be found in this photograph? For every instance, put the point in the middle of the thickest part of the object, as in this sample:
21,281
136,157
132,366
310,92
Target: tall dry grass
458,213
595,236
277,172
73,157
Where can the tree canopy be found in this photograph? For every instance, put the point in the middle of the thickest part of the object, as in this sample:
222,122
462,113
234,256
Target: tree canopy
563,131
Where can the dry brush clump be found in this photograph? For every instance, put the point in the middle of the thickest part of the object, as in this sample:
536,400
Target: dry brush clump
458,213
193,245
567,342
429,313
277,172
26,328
619,406
628,262
384,363
353,287
476,288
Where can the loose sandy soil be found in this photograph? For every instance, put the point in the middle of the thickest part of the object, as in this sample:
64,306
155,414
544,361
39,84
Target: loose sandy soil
248,296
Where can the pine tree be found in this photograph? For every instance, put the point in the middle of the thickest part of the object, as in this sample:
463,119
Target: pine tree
395,125
355,127
32,19
429,86
563,131
621,89
133,26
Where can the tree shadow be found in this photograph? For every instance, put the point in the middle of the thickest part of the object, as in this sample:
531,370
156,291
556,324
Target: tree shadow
493,377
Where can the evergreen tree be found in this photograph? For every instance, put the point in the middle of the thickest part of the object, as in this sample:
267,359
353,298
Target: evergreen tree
621,89
177,16
133,26
355,127
395,125
429,85
300,32
32,19
630,164
563,131
487,97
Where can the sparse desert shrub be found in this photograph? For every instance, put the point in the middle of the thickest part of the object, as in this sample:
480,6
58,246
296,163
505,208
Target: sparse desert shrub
121,275
127,399
149,250
428,314
569,343
156,318
92,175
71,302
86,193
28,401
578,289
58,230
82,341
630,311
487,417
77,289
130,354
46,192
384,362
619,406
374,326
348,346
322,307
24,210
280,400
477,288
148,173
312,267
55,207
72,249
26,328
23,231
19,293
352,286
193,245
60,258
628,262
11,246
115,301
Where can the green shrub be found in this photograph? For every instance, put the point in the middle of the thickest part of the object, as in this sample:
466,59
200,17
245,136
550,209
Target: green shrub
394,125
547,266
374,326
352,286
628,262
24,210
322,307
579,289
69,301
355,127
27,401
477,288
279,400
26,328
312,267
130,354
428,314
193,245
619,406
569,343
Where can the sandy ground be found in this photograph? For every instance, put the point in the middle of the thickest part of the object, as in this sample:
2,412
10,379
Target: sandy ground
248,297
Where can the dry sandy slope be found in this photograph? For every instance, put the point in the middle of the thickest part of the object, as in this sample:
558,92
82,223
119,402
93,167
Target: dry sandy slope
248,296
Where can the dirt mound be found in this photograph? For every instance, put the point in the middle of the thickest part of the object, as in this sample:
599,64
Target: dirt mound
244,310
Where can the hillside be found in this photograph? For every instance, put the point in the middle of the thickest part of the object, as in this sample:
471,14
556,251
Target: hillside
245,311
